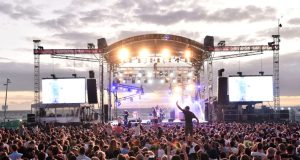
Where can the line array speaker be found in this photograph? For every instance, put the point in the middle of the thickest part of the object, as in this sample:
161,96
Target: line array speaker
92,91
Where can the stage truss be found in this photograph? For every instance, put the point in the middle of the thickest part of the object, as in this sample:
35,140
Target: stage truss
155,42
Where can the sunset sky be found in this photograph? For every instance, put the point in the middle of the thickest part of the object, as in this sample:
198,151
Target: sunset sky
72,24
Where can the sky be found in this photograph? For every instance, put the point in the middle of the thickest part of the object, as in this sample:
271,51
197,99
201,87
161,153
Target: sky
72,24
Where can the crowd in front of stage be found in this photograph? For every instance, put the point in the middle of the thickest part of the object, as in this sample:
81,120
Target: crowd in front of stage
217,141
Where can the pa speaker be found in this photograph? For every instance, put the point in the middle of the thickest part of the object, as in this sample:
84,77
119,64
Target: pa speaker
172,114
206,112
92,91
284,114
222,90
209,41
102,43
91,74
105,113
30,118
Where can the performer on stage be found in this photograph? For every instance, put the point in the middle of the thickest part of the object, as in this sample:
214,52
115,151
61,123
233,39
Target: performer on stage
154,112
126,114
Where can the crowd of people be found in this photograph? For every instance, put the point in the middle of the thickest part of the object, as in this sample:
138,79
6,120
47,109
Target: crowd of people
169,141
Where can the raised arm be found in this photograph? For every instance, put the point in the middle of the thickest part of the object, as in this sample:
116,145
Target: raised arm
179,106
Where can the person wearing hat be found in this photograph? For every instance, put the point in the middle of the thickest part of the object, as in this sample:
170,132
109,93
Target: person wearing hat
188,116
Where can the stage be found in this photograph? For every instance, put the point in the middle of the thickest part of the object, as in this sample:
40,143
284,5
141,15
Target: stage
176,121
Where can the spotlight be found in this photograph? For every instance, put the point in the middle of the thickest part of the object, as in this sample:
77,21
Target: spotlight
165,60
144,74
167,80
138,81
187,54
166,74
165,53
185,60
124,61
188,80
196,73
151,60
74,75
178,80
130,73
144,53
139,60
169,60
177,60
161,81
150,81
158,60
133,80
123,54
161,73
198,86
130,60
124,81
53,76
171,74
124,89
118,81
145,80
239,73
194,79
190,73
149,74
174,80
119,103
139,74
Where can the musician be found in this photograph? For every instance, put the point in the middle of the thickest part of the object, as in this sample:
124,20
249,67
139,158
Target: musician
126,114
154,112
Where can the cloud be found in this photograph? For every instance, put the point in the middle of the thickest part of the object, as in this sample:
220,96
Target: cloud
285,32
77,39
19,12
199,13
62,23
295,21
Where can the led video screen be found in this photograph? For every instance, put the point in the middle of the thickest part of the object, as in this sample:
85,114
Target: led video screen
250,88
67,90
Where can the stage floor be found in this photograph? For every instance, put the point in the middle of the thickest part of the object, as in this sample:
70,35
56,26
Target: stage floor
176,121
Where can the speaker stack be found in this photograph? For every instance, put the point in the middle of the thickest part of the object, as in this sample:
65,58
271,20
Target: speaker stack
31,118
92,91
223,98
106,113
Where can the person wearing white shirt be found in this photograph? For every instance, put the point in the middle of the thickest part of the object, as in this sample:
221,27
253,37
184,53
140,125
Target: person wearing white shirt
161,151
137,129
259,152
232,148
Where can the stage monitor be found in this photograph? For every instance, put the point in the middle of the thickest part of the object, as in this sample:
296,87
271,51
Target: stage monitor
63,90
250,88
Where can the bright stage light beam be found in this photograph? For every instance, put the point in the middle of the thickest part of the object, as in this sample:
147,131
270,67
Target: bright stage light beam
144,53
190,87
187,54
165,53
123,54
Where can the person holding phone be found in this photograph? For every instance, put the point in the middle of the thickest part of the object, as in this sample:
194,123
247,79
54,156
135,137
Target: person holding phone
188,115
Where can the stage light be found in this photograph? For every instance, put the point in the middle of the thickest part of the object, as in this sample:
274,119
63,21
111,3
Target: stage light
149,74
158,60
119,103
165,60
198,86
124,89
138,81
170,60
194,79
161,81
167,80
161,73
166,74
129,90
178,80
191,86
185,60
187,54
145,80
130,73
133,80
171,74
151,60
190,73
139,60
140,75
165,53
123,54
124,81
174,80
131,99
130,60
150,81
144,53
118,81
188,80
177,60
195,73
177,88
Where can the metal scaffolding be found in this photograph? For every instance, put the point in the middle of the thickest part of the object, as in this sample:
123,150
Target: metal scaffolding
276,41
37,95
